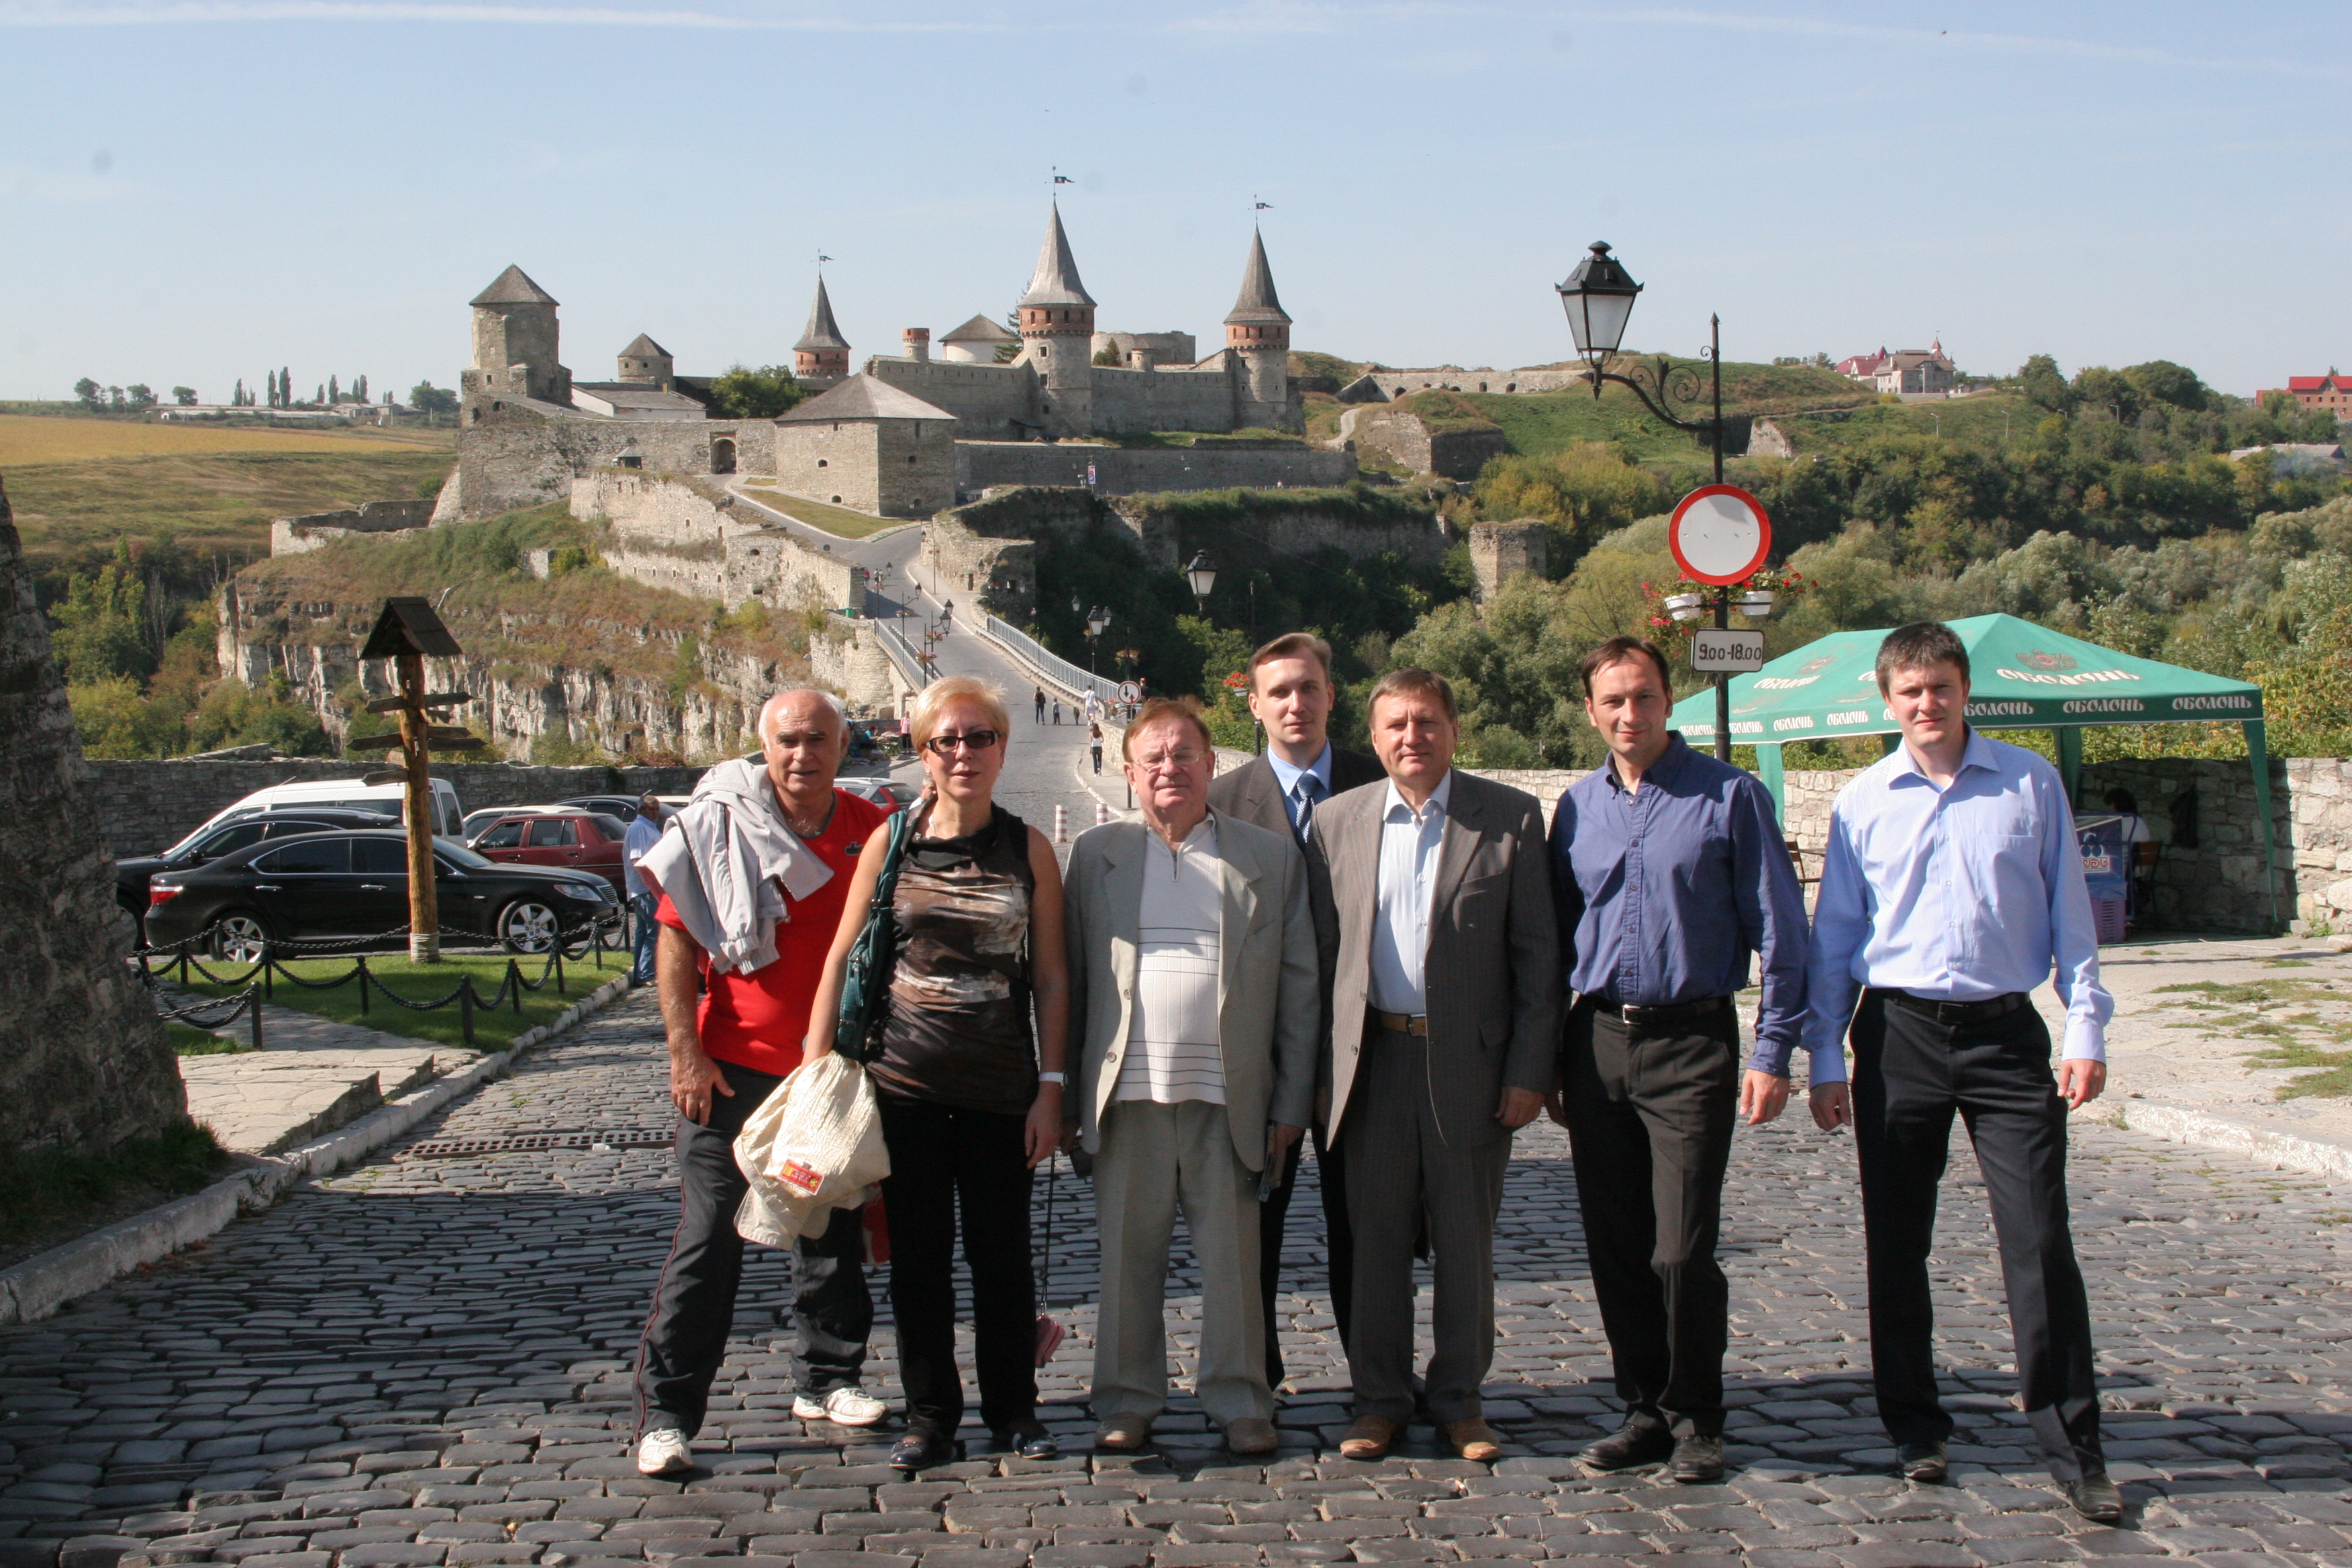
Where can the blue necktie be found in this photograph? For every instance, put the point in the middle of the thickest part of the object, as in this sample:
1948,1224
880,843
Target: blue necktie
1307,791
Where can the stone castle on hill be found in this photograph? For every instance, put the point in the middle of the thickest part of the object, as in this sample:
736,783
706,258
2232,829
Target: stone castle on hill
910,434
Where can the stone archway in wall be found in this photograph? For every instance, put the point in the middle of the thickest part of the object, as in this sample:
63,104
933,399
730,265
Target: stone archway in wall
722,455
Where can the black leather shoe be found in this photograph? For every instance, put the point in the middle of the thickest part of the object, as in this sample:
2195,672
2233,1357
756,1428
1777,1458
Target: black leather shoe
1925,1462
1027,1442
1634,1444
921,1450
1699,1459
2095,1498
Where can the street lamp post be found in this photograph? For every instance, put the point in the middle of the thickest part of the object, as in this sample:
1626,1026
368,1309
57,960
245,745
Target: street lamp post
1598,297
1201,572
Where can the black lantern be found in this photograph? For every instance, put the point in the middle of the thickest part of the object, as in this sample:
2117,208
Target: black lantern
1202,574
1598,297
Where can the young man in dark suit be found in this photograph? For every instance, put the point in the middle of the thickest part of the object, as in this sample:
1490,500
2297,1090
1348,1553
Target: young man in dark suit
1290,693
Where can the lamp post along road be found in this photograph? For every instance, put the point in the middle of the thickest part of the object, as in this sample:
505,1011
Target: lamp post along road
407,631
1599,298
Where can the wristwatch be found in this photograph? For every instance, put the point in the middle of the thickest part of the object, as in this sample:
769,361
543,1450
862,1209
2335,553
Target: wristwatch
1050,1078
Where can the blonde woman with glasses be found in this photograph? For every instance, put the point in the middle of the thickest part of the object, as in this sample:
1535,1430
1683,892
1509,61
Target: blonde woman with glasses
969,1074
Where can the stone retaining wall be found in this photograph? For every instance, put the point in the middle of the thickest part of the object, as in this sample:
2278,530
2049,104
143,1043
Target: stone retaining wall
1132,470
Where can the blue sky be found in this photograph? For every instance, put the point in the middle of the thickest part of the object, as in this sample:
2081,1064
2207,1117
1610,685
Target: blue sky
196,190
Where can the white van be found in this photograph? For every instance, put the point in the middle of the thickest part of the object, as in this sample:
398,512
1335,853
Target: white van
349,794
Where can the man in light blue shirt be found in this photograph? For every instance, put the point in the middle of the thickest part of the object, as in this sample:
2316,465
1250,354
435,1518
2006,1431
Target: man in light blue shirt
1952,887
644,833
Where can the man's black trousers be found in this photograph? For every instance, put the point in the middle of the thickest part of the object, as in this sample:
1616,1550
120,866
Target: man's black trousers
944,1159
1338,1246
1911,1073
1650,1110
694,1301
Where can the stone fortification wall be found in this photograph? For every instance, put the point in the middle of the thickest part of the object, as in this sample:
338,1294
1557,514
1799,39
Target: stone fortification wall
1162,348
689,535
847,657
1132,470
516,454
83,1063
145,805
1452,454
1454,378
891,467
992,402
293,535
1169,532
1135,401
1500,549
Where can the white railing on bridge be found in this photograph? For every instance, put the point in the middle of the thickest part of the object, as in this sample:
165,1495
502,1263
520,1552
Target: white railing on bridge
1060,671
900,653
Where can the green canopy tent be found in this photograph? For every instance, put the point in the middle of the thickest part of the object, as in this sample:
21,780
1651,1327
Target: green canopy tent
2021,677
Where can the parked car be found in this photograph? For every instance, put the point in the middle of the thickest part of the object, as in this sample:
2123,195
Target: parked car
624,806
890,794
478,822
354,884
588,840
208,844
346,794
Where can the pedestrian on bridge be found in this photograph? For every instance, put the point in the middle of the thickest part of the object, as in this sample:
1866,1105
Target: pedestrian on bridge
971,1095
1094,743
1951,886
1040,705
751,882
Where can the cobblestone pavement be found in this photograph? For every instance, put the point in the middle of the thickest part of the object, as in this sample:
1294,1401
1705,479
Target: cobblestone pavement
424,1360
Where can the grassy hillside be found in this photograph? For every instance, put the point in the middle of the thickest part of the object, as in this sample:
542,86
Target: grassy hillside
1988,419
24,440
215,500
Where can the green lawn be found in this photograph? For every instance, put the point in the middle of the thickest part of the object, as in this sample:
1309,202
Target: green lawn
837,521
187,1040
54,1197
494,1028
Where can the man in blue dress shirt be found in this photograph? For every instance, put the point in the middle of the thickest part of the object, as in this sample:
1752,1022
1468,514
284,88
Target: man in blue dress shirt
1951,886
1668,871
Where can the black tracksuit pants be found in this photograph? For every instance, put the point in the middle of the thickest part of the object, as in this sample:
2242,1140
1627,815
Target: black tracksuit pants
1650,1112
1911,1073
944,1159
693,1301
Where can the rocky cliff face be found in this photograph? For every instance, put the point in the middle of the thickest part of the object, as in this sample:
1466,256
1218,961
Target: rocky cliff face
83,1063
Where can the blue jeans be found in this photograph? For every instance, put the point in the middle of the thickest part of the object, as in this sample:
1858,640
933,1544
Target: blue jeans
642,905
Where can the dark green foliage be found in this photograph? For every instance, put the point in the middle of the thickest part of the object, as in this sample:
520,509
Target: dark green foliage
429,399
747,393
54,1194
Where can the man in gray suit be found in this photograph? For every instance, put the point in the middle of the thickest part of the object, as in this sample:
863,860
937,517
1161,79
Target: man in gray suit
1193,991
1445,1005
1290,692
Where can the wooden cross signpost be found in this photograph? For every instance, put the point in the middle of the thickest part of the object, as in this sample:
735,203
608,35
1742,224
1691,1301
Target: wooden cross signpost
407,633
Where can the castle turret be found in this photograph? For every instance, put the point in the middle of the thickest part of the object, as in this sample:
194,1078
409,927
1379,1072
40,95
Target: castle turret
821,356
1257,334
515,343
645,363
1057,328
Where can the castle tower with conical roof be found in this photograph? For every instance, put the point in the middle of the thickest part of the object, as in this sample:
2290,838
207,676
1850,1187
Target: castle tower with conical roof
821,359
1057,329
646,362
516,343
1257,334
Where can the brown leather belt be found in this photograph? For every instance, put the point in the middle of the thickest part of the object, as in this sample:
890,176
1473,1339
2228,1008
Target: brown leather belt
1676,1013
1400,1023
1983,1012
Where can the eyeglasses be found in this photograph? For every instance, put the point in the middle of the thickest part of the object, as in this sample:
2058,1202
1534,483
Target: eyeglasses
1182,758
971,739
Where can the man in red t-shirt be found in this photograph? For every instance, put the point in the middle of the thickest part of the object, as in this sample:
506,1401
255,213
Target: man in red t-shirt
729,1046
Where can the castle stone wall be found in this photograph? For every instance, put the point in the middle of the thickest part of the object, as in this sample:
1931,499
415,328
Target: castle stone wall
513,454
1454,378
84,1065
1133,402
1130,470
995,402
294,535
676,533
1497,550
1451,454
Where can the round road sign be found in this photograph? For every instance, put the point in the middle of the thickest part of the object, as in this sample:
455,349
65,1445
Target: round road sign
1720,534
1128,691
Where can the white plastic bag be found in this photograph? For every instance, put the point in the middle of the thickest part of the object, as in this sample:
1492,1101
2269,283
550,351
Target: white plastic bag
814,1147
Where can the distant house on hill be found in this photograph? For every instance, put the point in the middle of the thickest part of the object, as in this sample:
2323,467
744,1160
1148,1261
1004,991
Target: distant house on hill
2332,391
1918,372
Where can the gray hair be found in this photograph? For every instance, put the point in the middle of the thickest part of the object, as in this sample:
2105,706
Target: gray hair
832,705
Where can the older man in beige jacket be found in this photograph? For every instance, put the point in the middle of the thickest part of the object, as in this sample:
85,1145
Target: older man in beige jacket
1192,987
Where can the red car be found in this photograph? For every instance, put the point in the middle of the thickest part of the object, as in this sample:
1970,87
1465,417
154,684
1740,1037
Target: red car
577,840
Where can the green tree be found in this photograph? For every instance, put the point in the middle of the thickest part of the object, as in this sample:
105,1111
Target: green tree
359,390
2040,380
743,393
429,399
334,390
186,397
102,624
2161,381
140,396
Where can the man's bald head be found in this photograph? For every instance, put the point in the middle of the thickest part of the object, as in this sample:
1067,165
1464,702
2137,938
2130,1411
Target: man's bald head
803,735
804,707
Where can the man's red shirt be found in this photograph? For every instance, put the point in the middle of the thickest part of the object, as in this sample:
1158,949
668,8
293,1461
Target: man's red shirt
759,1019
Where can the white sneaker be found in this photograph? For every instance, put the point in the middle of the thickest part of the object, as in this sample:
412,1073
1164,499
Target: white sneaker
847,1406
664,1452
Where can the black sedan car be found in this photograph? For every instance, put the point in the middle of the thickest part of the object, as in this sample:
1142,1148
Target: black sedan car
207,845
356,884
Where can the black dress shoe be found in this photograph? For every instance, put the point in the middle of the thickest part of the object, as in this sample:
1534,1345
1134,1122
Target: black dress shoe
2095,1498
1634,1444
1030,1442
921,1450
1925,1462
1699,1459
